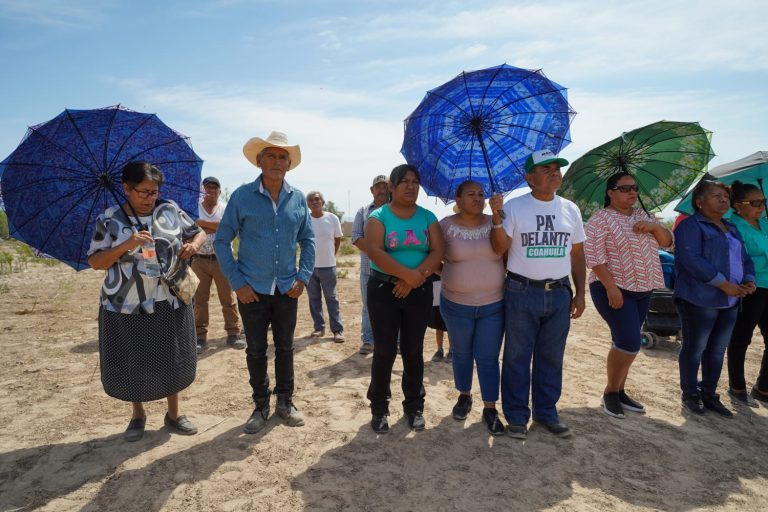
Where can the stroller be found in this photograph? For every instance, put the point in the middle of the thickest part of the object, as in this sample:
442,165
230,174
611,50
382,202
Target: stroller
662,319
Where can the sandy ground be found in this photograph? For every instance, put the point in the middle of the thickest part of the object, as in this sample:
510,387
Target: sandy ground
61,445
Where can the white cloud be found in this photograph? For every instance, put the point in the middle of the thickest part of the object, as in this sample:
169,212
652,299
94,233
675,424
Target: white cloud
56,13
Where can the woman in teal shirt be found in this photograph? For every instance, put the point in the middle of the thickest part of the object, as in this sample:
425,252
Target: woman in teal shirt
748,202
405,244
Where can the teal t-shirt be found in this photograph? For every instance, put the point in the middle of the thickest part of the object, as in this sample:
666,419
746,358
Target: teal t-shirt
406,240
756,243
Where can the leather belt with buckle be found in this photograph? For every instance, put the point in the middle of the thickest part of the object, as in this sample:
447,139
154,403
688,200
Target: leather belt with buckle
206,256
547,284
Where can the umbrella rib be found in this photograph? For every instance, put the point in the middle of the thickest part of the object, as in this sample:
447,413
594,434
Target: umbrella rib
509,157
447,139
82,138
44,181
443,149
488,86
466,90
166,143
522,98
67,169
512,86
46,206
109,132
95,193
63,149
90,212
144,121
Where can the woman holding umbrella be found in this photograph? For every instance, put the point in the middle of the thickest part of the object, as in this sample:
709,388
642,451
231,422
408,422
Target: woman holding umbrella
472,300
405,245
712,272
622,251
146,335
749,204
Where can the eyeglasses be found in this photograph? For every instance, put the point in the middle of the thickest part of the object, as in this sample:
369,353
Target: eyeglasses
626,188
146,194
755,203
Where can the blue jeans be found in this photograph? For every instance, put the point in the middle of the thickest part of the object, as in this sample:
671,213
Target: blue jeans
706,333
366,331
323,282
537,324
476,333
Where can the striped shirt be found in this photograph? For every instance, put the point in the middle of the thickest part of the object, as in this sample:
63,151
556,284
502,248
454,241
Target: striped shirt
632,258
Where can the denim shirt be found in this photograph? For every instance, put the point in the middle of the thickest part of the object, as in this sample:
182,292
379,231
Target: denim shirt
268,237
702,261
358,232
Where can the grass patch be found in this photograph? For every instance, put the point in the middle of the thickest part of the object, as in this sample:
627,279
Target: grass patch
346,263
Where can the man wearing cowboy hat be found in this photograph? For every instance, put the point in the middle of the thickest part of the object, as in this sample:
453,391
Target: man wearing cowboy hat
271,218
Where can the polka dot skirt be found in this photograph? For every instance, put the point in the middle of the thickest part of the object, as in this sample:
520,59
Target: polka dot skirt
147,356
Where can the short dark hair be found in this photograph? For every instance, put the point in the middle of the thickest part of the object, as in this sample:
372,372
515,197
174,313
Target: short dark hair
701,189
740,190
398,173
464,184
137,171
611,184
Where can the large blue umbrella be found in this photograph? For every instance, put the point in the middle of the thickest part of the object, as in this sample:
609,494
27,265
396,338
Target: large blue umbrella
483,125
67,171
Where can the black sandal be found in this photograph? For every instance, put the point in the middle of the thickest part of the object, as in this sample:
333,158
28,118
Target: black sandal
135,430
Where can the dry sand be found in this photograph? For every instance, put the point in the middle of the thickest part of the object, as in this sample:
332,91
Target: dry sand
61,446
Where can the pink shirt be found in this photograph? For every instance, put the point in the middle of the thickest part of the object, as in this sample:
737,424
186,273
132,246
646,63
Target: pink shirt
473,275
632,258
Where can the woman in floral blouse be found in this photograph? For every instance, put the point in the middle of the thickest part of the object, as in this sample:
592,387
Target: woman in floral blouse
622,250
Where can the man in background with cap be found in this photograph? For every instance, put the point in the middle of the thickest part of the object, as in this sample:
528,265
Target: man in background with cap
545,238
206,266
379,190
271,218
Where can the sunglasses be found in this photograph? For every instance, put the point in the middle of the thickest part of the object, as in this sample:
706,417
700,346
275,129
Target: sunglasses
755,203
626,188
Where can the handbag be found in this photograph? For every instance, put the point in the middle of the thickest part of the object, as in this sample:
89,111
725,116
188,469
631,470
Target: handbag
182,281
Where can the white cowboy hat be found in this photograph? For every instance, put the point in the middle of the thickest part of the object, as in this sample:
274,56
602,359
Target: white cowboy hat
255,146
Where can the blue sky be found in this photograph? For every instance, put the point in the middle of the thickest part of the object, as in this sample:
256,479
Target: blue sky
340,77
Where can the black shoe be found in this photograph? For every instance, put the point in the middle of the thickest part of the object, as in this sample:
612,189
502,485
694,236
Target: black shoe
742,397
258,419
713,403
135,430
290,414
416,421
693,403
202,346
449,357
518,431
379,424
759,395
612,405
181,425
629,403
492,421
558,428
235,341
462,407
437,357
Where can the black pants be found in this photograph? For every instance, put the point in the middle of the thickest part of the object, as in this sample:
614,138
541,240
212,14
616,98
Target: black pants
280,311
754,312
390,315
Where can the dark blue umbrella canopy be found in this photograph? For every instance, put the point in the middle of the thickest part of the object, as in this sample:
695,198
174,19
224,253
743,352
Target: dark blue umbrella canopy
67,171
483,125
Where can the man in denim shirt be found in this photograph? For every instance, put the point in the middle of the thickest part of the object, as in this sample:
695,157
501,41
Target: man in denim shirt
271,218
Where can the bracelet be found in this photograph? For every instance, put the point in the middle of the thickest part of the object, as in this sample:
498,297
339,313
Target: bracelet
497,226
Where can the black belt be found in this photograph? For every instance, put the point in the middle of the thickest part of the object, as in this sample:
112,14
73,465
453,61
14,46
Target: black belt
206,256
381,276
547,284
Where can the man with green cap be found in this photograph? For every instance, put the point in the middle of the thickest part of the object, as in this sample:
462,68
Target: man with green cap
545,238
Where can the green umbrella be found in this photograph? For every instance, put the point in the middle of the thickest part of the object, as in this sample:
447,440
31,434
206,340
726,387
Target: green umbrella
664,157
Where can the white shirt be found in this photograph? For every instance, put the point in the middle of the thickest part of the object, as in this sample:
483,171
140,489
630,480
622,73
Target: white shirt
542,234
327,228
214,216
